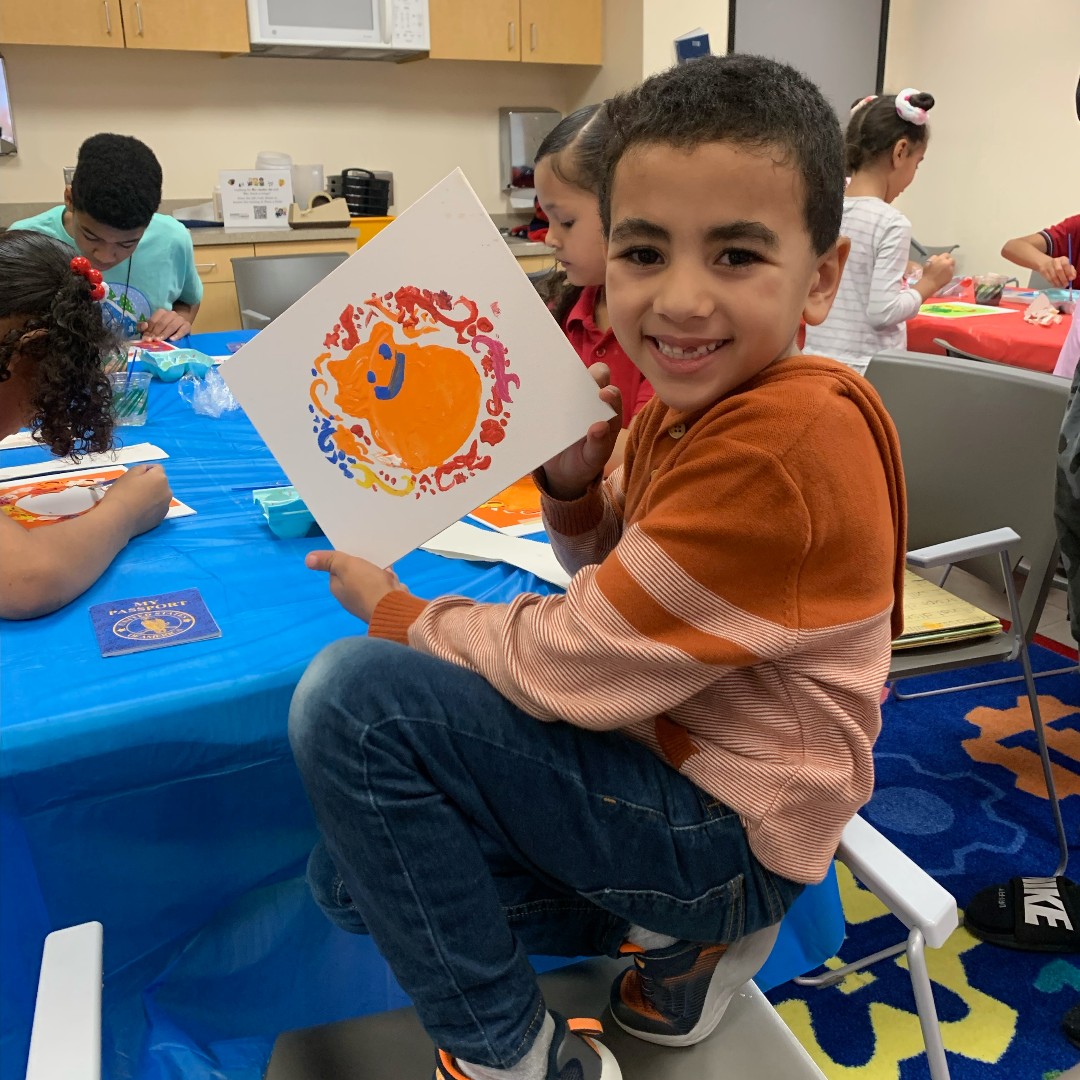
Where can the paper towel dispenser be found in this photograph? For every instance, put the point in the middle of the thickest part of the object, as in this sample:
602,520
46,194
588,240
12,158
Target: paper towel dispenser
521,131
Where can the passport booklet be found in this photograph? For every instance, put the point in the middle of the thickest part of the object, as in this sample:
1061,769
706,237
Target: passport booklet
152,622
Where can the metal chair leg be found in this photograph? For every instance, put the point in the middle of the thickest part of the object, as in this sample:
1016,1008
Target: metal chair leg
925,1006
1072,669
915,947
835,975
1028,677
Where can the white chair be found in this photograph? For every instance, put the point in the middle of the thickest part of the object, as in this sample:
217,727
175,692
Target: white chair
65,1040
269,284
979,443
926,908
752,1040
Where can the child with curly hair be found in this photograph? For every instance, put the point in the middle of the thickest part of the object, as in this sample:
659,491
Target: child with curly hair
52,340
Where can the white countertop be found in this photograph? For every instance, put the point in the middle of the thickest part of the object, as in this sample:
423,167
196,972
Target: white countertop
212,235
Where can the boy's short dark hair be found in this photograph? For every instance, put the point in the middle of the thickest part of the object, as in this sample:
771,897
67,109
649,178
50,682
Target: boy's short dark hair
117,181
751,101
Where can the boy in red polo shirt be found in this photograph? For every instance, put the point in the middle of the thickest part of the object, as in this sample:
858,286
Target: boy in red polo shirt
1052,252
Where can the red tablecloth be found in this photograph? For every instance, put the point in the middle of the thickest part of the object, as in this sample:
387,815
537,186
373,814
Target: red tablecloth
1005,338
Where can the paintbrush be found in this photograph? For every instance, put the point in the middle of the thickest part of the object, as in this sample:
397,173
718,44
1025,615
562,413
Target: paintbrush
259,487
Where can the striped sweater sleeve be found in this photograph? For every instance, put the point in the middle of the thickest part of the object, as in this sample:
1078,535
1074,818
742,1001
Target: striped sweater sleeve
890,301
664,616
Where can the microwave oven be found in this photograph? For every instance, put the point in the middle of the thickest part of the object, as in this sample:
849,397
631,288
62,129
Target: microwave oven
339,29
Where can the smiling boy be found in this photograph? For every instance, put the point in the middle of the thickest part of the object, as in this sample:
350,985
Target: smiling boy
658,761
146,258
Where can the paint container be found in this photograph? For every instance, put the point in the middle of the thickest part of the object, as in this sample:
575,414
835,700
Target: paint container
130,397
286,513
170,366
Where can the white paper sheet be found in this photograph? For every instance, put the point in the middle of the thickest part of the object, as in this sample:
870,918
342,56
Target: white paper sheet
417,380
462,541
58,495
127,455
19,439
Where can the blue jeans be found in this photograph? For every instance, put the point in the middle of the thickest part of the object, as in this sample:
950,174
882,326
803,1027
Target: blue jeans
463,834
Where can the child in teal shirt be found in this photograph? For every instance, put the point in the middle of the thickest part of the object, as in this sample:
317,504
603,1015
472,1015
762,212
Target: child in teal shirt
146,259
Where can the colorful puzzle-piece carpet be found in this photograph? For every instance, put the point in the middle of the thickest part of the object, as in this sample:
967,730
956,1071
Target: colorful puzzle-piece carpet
959,789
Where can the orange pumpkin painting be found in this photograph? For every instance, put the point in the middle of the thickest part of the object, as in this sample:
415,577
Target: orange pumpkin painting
412,392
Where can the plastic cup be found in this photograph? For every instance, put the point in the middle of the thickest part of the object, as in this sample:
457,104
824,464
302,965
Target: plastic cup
130,397
990,287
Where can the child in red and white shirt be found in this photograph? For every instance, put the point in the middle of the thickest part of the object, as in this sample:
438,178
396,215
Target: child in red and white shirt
569,168
1053,252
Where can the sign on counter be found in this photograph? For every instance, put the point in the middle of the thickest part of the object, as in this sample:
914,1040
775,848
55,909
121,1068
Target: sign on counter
256,198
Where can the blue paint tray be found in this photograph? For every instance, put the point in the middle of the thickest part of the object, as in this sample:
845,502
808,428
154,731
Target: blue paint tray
286,513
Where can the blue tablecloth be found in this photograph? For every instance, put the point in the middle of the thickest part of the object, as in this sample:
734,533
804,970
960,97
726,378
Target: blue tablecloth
155,792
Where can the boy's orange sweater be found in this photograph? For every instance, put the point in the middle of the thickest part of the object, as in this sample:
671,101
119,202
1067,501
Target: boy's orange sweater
733,604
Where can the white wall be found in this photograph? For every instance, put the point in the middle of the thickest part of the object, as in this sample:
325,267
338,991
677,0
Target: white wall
1004,155
200,113
666,20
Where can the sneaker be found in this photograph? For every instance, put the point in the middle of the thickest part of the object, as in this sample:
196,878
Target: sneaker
575,1054
676,996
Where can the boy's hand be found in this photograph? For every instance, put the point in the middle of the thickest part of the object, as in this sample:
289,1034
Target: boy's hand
569,474
1059,272
356,584
165,324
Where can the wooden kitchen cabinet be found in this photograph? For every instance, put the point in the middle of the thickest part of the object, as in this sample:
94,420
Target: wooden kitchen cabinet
475,29
183,25
220,309
529,31
562,32
186,25
62,22
306,247
531,263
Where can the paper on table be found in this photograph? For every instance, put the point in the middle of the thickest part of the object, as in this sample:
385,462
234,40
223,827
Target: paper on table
418,379
514,511
127,455
961,309
44,500
461,541
19,439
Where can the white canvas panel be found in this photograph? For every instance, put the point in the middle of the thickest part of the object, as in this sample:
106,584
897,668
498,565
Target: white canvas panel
414,382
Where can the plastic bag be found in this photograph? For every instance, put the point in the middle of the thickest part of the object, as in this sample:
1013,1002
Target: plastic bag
209,395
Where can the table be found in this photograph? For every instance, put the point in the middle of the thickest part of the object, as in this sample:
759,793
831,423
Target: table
1006,339
155,792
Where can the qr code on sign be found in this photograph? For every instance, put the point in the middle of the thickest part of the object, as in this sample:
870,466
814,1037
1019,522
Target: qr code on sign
260,213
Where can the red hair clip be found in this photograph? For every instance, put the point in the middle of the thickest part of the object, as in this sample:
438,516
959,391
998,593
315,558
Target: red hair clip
81,265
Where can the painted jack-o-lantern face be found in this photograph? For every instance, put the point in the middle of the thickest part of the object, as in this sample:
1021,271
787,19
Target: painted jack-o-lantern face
398,401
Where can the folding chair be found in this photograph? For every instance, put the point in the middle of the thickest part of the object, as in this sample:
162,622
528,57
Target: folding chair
921,252
953,351
979,443
1037,281
926,908
268,284
65,1040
